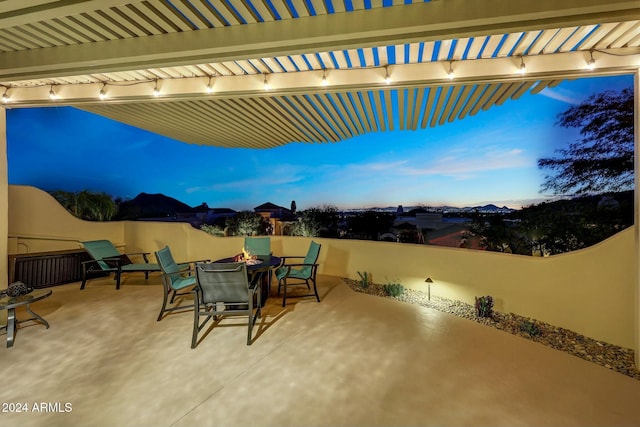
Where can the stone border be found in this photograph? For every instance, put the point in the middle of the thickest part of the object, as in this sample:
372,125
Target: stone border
610,356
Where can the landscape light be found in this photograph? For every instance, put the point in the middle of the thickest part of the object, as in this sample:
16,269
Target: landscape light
52,94
5,96
156,91
429,282
523,68
266,83
387,77
324,78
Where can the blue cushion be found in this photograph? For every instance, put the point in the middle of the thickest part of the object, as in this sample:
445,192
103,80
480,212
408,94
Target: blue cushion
183,282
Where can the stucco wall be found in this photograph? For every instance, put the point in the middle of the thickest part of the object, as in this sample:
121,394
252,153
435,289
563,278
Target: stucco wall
38,223
591,291
4,201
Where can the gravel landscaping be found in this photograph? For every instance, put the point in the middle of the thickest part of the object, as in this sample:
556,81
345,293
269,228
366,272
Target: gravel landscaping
610,356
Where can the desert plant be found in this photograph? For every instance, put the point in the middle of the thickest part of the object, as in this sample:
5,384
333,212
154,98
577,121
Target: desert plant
393,289
484,306
365,280
530,328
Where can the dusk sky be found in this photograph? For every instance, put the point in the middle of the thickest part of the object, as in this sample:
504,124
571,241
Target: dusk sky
487,158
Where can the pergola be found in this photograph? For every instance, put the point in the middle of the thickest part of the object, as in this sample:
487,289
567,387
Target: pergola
335,68
263,73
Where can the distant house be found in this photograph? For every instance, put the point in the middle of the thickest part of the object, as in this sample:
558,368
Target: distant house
277,215
454,235
216,215
273,211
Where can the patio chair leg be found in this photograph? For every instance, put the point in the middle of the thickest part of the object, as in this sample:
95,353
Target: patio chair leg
315,291
117,279
164,305
284,298
250,320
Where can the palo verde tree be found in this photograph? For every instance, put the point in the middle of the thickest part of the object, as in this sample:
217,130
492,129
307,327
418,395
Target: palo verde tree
601,159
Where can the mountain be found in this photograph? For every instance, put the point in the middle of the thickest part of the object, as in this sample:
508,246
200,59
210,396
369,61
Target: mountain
151,206
490,208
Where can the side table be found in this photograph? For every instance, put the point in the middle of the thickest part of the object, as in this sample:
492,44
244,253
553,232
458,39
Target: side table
11,303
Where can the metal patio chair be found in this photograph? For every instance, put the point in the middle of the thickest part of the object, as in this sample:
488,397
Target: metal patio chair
299,273
223,289
177,280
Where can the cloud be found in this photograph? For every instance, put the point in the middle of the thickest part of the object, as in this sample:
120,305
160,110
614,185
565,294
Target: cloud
562,95
138,145
378,166
468,167
280,175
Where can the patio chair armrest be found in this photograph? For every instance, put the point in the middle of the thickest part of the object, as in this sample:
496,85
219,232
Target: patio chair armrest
301,265
285,258
89,262
115,260
144,255
186,270
194,261
93,265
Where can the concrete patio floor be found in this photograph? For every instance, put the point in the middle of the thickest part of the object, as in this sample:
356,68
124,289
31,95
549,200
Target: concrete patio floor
352,360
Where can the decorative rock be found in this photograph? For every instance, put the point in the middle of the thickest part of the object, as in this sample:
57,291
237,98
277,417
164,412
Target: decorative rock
604,354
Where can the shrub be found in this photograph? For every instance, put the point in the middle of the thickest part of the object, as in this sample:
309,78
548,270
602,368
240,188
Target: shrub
484,306
530,328
248,224
393,289
365,280
215,230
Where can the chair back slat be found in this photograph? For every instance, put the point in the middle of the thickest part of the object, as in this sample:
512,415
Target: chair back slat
223,282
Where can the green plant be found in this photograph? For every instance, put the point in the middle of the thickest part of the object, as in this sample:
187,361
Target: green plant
484,306
365,280
87,205
248,224
215,230
393,289
529,327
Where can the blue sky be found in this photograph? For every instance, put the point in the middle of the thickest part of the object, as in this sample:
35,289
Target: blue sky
487,158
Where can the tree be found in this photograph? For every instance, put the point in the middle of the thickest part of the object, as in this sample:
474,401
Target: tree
497,234
248,224
87,205
602,159
370,223
317,222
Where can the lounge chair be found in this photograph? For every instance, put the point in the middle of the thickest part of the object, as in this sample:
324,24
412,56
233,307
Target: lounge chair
107,259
